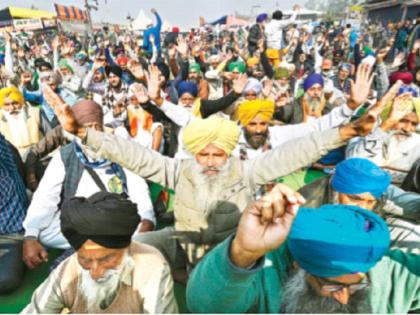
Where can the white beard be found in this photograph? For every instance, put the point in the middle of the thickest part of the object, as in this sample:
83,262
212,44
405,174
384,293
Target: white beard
210,187
103,291
18,128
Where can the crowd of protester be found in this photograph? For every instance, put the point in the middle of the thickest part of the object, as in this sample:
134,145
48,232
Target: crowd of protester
217,123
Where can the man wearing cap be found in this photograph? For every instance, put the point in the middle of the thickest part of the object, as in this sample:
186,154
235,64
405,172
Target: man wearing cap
334,259
256,33
108,273
21,125
394,145
360,182
77,171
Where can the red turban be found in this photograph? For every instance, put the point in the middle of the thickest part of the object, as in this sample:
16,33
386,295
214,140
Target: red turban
406,77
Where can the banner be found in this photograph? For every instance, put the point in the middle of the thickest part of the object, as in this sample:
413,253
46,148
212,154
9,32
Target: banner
28,24
49,23
71,13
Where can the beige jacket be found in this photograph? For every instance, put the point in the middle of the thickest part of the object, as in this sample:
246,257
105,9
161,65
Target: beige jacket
145,288
212,224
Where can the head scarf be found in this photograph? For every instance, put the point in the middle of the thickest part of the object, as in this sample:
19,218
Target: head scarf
187,87
194,67
88,111
346,66
122,61
261,17
406,77
338,240
272,53
311,80
214,130
248,110
253,85
253,61
105,218
357,176
11,92
114,69
281,73
240,66
65,64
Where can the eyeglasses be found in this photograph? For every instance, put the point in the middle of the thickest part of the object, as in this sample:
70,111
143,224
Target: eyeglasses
331,286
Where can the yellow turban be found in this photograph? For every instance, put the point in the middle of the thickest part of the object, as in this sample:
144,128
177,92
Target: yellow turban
11,92
272,53
214,130
387,108
248,110
253,61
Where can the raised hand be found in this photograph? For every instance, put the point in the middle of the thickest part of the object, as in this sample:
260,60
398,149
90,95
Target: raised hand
140,92
182,47
360,88
55,43
402,106
265,225
136,70
398,60
365,124
153,83
267,88
240,83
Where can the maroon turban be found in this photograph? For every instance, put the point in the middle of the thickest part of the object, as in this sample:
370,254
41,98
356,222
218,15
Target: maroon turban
87,112
406,77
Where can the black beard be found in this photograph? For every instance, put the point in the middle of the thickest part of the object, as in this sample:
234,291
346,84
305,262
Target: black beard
255,140
118,86
299,297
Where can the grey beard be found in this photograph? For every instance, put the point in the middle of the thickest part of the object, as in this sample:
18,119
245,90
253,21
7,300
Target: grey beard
209,188
299,297
313,103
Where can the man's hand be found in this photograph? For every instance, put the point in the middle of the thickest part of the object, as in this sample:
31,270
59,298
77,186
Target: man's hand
399,60
182,47
55,43
265,225
146,226
296,8
34,253
240,83
153,83
140,92
401,107
153,11
365,124
63,112
267,88
361,87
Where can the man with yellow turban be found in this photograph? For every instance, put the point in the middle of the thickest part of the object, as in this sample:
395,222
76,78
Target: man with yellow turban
20,124
258,136
212,188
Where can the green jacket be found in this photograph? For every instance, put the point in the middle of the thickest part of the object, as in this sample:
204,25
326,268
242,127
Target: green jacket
217,286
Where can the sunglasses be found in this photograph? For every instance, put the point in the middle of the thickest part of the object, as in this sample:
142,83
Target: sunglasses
330,286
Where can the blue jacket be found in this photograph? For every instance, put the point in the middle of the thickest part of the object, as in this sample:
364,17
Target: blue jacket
155,31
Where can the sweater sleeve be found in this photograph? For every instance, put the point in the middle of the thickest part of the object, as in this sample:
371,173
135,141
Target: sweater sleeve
210,107
233,290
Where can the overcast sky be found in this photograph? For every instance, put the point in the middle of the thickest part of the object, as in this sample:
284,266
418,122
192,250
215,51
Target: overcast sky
184,13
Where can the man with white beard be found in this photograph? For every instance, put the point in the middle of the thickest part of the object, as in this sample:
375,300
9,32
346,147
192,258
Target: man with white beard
283,259
394,145
108,273
77,171
20,124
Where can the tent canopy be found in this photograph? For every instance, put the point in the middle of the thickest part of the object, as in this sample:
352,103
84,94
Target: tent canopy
22,13
141,22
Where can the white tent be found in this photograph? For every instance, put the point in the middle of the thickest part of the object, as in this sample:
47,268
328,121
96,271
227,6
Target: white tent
141,22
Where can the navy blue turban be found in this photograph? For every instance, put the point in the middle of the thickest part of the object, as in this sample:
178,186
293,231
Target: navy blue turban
187,87
357,176
338,240
311,80
262,17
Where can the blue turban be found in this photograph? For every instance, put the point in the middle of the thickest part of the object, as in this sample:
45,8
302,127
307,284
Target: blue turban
357,176
187,87
311,80
262,17
337,240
